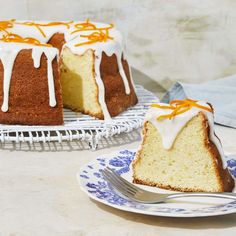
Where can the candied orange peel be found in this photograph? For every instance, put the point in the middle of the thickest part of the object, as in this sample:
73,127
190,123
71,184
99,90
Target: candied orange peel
39,25
6,24
178,107
9,37
95,37
100,34
83,26
87,25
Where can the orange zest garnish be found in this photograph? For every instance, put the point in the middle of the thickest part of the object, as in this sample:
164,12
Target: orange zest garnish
39,25
18,39
178,107
87,25
5,25
84,26
163,106
95,37
100,34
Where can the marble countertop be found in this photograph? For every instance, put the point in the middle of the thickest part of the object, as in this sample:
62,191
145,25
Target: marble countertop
40,194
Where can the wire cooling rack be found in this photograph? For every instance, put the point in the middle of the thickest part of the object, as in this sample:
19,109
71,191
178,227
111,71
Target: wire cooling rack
82,127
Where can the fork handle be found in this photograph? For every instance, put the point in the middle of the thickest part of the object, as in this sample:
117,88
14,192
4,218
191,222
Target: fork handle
218,195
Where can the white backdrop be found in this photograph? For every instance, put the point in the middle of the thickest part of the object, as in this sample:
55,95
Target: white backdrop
184,40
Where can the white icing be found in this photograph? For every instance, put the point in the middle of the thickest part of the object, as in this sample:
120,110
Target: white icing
51,90
101,88
36,55
7,57
123,76
110,47
8,54
131,78
170,128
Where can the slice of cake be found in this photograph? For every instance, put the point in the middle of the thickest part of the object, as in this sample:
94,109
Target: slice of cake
180,150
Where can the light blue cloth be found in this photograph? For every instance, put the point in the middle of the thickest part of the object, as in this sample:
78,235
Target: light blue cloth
220,93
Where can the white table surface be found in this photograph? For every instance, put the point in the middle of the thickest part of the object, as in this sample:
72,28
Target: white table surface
40,194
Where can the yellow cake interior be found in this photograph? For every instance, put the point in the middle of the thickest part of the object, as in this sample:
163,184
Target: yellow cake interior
79,89
187,166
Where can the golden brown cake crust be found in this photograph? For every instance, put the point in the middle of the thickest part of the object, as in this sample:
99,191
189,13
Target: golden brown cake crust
116,99
226,181
29,96
57,41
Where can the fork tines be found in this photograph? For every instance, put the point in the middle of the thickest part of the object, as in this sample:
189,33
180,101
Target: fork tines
119,183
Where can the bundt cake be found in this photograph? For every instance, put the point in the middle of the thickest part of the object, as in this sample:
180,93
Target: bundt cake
47,65
180,150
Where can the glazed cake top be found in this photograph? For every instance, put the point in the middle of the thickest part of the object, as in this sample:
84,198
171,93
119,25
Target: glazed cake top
79,36
170,119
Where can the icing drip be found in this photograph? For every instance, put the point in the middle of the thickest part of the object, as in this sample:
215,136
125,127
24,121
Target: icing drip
51,90
131,78
36,55
170,128
7,58
50,54
123,75
8,55
101,88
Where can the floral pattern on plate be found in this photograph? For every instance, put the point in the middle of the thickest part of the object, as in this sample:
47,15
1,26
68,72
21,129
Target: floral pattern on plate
93,183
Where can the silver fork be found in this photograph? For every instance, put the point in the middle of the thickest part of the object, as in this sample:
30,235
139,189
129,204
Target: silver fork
140,195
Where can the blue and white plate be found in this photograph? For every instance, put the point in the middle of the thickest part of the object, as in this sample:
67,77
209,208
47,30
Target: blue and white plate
94,185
